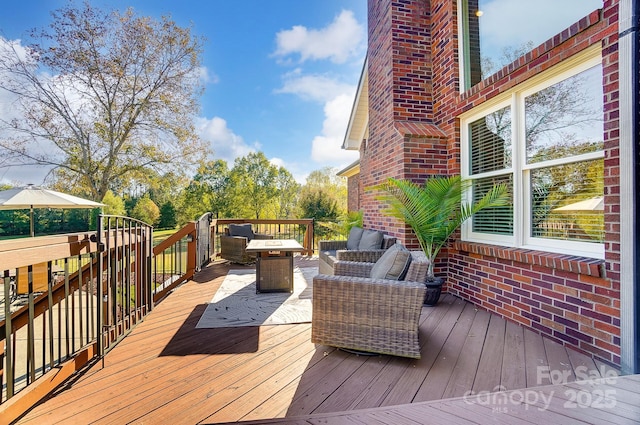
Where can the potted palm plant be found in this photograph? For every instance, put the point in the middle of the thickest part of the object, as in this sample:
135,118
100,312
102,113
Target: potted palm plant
434,211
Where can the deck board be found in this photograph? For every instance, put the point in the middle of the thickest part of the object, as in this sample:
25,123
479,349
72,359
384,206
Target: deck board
464,372
513,373
432,339
487,378
167,371
439,375
535,360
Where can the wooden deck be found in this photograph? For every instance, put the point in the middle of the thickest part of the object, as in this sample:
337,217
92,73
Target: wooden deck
167,371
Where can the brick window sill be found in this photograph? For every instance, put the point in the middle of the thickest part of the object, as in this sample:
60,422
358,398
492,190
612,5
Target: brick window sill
569,263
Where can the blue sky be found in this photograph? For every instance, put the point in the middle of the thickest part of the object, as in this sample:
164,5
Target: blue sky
281,74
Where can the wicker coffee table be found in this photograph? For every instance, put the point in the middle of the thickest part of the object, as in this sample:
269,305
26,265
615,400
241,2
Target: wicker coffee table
274,266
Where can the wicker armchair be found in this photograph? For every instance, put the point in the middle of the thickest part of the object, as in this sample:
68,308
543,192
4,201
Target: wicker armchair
234,248
372,315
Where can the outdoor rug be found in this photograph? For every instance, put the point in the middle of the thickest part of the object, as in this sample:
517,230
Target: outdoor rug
237,304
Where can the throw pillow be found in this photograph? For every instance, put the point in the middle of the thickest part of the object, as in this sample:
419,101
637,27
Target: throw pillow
371,239
353,241
393,264
241,230
418,268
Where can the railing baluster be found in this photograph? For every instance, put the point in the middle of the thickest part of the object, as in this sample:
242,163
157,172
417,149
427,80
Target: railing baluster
81,324
72,297
40,366
66,304
91,287
9,337
31,369
87,312
50,301
59,330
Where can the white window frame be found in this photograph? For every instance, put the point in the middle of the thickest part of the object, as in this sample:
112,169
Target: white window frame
520,170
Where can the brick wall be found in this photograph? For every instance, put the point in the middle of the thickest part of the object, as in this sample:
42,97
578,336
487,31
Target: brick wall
353,190
415,98
403,142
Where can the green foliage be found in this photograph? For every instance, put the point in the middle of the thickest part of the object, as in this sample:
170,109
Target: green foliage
47,221
146,210
212,181
327,180
252,186
114,205
344,223
206,192
323,209
168,218
287,188
352,219
435,210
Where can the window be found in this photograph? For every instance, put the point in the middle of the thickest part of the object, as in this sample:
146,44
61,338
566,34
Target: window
545,141
496,32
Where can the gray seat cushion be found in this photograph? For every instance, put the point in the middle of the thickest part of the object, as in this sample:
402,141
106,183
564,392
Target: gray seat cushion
353,241
243,230
328,256
393,264
371,239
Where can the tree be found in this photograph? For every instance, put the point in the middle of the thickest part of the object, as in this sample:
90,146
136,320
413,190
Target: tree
207,191
146,210
168,219
213,179
320,206
288,189
334,186
102,97
114,204
252,185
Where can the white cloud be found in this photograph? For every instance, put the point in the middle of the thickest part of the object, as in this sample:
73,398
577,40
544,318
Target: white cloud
226,144
327,147
278,162
314,87
206,76
338,41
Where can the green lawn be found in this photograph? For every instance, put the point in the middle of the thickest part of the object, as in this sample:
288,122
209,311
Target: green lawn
160,235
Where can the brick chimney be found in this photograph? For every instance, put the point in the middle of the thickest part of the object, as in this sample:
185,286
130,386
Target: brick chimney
403,140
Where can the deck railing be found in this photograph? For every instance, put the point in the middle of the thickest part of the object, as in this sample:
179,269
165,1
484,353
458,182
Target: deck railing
298,229
66,300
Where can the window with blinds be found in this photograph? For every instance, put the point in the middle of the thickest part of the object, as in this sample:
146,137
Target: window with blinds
491,142
545,141
496,220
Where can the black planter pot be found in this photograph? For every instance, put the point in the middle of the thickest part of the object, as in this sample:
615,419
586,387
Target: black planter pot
434,289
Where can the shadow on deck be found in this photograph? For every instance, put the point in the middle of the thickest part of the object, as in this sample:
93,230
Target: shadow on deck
167,371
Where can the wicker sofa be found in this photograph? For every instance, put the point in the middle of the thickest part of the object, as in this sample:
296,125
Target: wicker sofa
351,250
353,311
233,243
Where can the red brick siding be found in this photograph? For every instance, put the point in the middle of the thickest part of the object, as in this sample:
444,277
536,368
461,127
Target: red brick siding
414,77
581,310
353,190
381,131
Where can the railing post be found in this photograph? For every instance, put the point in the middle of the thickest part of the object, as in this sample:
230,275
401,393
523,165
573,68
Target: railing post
192,252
